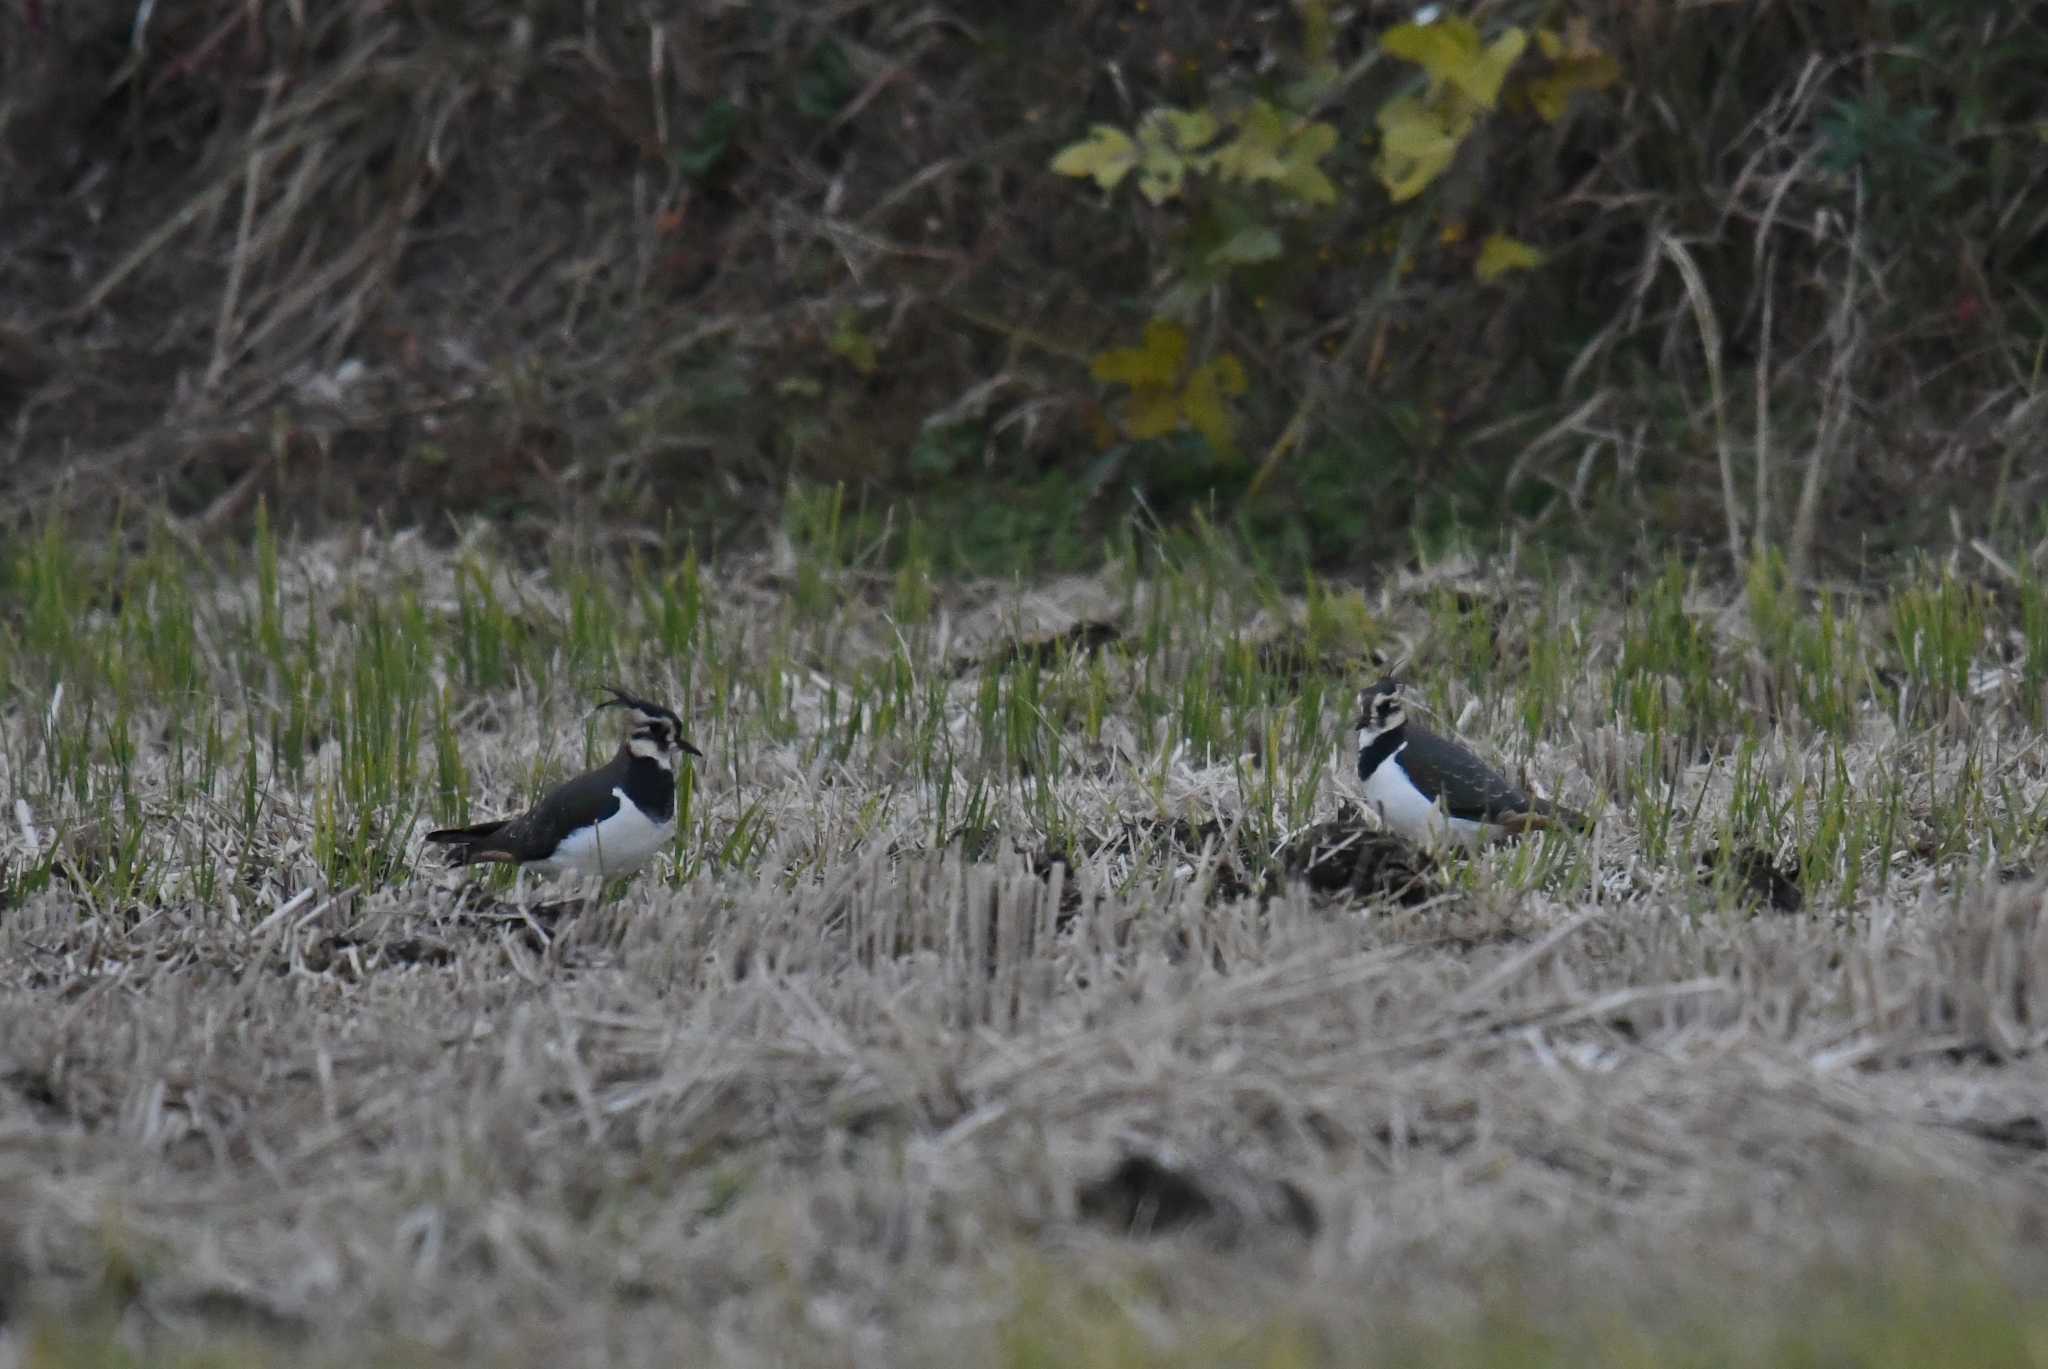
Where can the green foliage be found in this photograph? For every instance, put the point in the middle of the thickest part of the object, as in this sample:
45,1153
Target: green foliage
1363,213
1811,649
2033,630
1670,680
1469,79
1938,625
1900,1317
700,155
1256,176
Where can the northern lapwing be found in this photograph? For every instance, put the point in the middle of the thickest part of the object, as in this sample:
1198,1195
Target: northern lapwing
606,822
1429,788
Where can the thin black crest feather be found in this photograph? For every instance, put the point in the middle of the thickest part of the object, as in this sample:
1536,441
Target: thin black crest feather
621,699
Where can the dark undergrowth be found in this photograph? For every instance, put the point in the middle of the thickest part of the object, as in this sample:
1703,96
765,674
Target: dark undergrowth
562,265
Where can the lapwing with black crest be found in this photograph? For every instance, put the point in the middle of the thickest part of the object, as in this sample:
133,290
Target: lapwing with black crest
1434,790
608,822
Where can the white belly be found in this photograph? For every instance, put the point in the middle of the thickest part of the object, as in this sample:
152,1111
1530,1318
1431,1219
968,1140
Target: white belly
619,845
1408,811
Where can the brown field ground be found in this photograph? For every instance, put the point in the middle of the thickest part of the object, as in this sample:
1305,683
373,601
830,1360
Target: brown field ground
1017,1006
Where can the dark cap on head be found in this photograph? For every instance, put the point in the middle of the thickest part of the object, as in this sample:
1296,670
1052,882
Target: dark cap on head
651,713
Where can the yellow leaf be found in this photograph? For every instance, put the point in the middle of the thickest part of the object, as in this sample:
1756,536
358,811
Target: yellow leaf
1415,146
1107,154
1500,254
1551,94
1577,64
1205,403
1157,361
1152,413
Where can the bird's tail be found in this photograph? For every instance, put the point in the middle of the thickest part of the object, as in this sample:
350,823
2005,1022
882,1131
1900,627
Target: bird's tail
1557,815
464,842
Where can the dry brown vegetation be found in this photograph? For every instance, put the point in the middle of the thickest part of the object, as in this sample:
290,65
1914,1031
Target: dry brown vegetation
871,1077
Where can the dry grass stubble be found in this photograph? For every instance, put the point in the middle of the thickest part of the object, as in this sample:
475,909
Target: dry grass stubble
857,1096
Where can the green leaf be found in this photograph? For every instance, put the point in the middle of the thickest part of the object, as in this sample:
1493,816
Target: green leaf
1482,79
1169,145
1182,298
1107,154
1186,131
826,82
696,158
852,345
1275,147
1308,184
1162,173
1436,47
1416,145
1311,142
1255,153
1247,246
1309,146
1452,52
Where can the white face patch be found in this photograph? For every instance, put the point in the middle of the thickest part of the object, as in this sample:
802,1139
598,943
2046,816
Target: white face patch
619,845
651,749
1378,721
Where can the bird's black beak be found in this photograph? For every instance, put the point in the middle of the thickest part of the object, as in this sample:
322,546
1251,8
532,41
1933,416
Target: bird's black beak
689,750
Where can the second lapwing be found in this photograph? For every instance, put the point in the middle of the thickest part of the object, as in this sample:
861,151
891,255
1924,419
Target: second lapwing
1433,789
605,822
